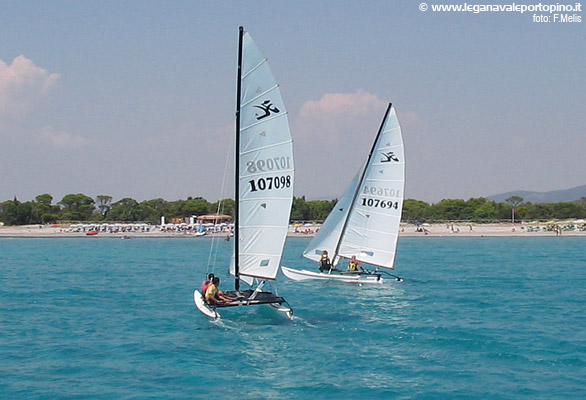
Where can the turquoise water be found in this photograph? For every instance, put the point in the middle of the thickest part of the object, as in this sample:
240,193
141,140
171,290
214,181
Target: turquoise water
475,318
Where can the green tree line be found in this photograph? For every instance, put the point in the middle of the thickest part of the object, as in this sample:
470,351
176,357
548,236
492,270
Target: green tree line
483,210
82,208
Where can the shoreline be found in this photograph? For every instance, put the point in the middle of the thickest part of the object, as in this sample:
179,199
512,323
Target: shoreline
406,230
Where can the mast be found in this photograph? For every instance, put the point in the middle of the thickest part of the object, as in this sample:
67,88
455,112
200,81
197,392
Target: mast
360,184
237,164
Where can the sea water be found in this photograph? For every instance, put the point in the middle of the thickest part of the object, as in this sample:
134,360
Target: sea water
475,318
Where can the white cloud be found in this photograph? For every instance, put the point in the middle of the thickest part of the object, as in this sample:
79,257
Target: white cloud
409,119
332,138
62,139
333,104
21,84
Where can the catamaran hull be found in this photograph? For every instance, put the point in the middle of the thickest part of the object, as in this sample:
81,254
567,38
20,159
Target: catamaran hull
288,311
203,306
304,275
264,298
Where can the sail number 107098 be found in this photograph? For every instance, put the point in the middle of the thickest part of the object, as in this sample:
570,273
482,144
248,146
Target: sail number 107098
270,182
268,164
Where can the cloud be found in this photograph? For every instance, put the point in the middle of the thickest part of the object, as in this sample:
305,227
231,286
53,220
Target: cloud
409,119
334,104
332,137
338,119
62,139
22,83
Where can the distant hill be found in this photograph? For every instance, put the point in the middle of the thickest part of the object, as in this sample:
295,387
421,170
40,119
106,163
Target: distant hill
555,196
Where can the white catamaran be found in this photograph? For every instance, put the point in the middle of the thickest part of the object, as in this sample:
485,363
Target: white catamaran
365,221
264,174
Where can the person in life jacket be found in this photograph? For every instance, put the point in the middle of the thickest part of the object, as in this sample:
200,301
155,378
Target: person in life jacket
206,283
354,265
325,264
215,296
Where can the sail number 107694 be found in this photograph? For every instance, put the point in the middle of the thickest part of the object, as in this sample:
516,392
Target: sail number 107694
380,192
370,202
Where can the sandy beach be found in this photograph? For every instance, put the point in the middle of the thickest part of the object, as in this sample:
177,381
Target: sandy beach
308,230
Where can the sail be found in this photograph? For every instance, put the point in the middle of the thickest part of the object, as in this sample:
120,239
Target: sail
265,167
372,227
328,236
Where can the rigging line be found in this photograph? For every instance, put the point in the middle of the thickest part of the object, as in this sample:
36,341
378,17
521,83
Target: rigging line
215,239
398,278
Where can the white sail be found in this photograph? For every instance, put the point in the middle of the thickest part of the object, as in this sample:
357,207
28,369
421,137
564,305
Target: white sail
365,221
266,168
373,224
328,236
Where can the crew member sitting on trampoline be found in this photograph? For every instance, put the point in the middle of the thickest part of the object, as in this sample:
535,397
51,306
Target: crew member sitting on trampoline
354,265
215,296
325,264
206,284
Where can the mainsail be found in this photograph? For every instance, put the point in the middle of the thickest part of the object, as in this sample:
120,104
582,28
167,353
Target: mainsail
264,167
365,221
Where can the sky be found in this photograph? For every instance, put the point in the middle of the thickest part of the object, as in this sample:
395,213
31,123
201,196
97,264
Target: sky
137,98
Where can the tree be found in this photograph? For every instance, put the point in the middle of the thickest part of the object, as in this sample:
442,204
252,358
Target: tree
300,209
474,204
320,209
485,212
45,199
226,206
14,212
450,209
103,202
152,210
415,210
43,209
514,200
148,213
125,210
541,211
172,209
564,210
77,206
9,214
197,206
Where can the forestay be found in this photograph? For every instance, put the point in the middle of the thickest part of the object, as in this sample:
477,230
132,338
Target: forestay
265,167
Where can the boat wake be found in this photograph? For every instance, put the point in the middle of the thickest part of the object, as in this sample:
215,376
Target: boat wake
226,324
302,321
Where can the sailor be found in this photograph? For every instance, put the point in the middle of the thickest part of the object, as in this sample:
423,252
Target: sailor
325,265
206,283
215,296
353,265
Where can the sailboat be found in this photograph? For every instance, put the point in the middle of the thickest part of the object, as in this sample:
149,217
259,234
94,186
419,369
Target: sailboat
264,173
365,221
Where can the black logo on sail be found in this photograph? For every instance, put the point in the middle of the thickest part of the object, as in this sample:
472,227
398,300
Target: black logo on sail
389,157
268,108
